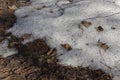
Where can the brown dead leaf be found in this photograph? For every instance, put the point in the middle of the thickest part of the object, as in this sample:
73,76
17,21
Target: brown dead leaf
102,45
26,36
86,23
13,7
67,46
105,46
99,29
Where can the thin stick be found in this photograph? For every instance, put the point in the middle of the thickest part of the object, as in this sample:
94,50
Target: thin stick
109,68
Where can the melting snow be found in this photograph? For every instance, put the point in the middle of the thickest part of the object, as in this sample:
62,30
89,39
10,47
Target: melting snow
58,21
5,51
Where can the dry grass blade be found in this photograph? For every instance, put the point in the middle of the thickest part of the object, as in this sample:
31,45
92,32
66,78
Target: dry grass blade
52,52
13,7
100,45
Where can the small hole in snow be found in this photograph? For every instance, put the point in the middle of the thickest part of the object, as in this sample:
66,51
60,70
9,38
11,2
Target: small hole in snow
92,60
51,11
38,8
113,28
87,44
44,6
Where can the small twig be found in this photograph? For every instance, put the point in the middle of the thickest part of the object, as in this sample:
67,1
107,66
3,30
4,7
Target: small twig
109,68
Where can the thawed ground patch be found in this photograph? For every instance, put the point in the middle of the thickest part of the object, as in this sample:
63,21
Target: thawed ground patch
58,21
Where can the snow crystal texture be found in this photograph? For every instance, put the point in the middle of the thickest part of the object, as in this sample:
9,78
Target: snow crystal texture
57,21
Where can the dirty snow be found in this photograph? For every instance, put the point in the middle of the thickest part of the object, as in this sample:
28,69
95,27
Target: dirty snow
5,51
57,21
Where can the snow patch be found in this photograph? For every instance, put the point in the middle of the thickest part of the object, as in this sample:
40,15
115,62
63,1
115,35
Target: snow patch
58,23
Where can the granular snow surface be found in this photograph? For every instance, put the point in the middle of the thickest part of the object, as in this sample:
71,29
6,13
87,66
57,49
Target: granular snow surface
57,21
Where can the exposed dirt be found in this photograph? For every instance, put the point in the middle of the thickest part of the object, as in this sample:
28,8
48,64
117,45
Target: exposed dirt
37,64
36,60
